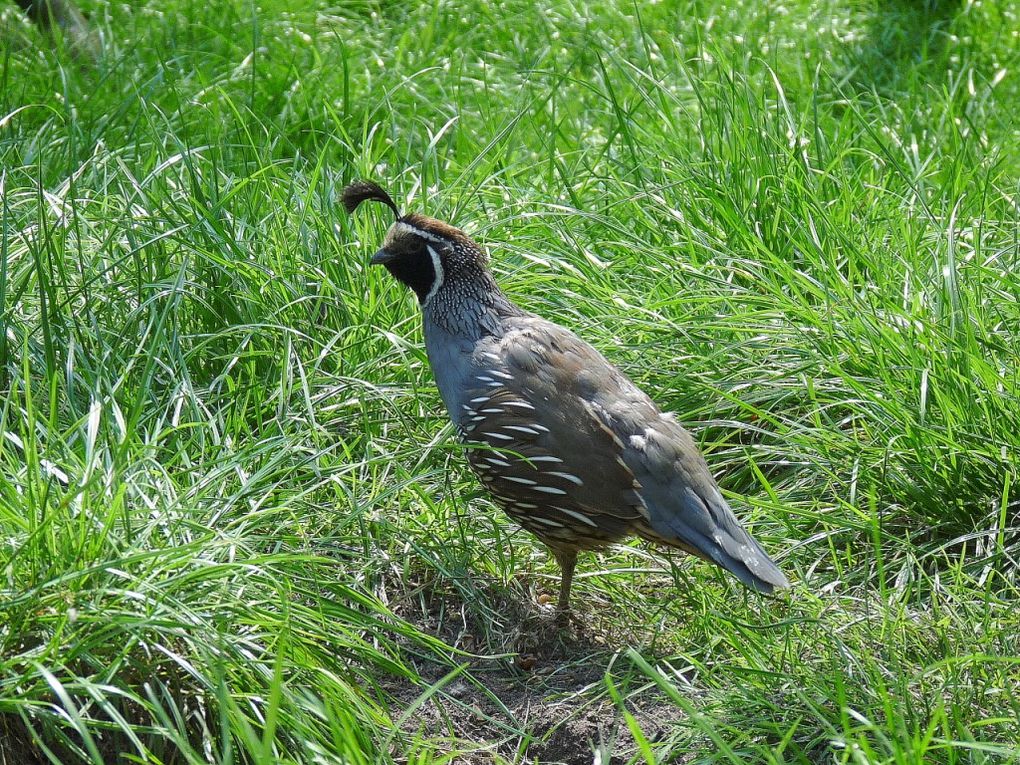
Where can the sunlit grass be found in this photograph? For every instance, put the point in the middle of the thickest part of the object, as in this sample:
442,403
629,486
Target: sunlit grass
234,526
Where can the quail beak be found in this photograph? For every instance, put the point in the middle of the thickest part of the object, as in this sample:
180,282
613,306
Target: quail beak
381,258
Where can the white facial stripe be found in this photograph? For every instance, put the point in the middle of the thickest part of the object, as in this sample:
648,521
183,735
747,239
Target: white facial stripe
407,228
437,266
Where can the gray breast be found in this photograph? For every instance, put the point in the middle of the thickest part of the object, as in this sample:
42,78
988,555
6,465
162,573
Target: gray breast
450,356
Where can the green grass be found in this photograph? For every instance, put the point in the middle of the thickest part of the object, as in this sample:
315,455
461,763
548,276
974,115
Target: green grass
234,526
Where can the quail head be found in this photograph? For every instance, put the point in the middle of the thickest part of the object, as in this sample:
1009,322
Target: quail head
567,445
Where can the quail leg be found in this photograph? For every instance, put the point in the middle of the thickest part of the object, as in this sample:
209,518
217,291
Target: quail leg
567,560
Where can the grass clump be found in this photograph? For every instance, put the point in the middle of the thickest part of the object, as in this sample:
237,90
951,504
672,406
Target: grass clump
233,527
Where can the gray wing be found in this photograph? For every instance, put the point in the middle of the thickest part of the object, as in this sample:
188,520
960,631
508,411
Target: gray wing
685,505
540,449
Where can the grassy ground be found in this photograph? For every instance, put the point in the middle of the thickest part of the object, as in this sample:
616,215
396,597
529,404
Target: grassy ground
234,526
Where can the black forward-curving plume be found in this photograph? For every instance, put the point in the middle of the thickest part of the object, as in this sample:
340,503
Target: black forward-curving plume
366,191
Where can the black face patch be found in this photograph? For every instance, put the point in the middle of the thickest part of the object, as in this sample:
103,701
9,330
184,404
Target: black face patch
412,264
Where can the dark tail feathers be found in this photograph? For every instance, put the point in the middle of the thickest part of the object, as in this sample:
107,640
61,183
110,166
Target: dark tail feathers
709,530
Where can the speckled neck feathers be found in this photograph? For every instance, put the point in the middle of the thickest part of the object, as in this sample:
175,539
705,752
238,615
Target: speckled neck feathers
468,303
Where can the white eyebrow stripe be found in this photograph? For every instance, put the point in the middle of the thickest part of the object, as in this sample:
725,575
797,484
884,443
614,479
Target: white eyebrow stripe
407,228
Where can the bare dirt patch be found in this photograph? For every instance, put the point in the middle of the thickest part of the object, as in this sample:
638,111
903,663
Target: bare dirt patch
530,691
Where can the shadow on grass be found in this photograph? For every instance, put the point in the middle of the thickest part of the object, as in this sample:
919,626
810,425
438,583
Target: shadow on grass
53,741
905,39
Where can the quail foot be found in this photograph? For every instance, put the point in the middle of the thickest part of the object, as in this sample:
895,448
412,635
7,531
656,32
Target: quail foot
566,445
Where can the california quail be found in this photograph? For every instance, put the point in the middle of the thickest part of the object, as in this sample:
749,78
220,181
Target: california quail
564,442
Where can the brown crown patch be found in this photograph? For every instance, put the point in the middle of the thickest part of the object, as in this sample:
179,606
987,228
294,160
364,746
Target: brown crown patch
437,227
